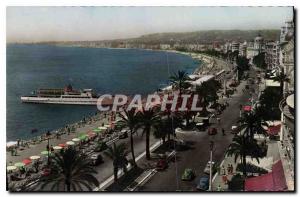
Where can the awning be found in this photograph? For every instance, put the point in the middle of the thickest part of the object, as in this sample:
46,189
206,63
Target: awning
290,101
272,181
274,130
247,108
272,83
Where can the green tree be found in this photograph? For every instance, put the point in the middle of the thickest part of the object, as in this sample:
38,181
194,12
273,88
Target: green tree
70,170
269,101
207,91
281,78
259,60
148,119
180,81
252,122
118,154
241,147
242,65
130,119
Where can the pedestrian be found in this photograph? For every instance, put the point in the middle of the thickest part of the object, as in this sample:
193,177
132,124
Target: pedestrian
68,130
18,142
228,168
51,149
223,170
47,147
224,178
223,131
231,168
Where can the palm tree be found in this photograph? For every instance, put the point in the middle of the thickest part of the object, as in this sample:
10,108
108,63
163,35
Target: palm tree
148,119
70,170
180,81
130,120
241,147
208,92
252,122
118,154
281,78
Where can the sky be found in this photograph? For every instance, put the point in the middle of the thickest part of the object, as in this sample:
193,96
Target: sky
35,24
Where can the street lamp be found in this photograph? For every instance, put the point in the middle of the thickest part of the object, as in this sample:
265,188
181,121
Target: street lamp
211,146
48,139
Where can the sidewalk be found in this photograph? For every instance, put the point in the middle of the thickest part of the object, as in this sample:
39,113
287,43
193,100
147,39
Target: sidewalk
36,149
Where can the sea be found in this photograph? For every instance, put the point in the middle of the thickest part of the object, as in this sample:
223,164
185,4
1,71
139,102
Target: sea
106,71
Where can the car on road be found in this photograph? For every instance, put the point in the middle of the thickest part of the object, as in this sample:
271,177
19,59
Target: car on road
161,164
96,159
123,134
188,175
203,184
207,167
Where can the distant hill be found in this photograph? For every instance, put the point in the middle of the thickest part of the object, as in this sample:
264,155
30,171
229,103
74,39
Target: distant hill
197,37
207,36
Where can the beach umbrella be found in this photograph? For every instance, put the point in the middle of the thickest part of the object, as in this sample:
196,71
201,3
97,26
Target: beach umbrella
19,164
75,139
45,153
91,134
62,145
34,157
26,161
70,143
11,143
10,168
107,126
57,147
97,130
83,137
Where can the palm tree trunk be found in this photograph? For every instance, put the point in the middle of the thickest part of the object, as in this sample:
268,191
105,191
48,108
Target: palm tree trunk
68,184
132,148
147,143
115,174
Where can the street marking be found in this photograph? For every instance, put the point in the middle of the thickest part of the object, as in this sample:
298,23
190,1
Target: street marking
108,180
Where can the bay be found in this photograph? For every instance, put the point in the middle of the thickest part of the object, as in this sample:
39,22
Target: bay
107,71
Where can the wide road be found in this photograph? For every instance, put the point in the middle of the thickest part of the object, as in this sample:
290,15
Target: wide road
198,155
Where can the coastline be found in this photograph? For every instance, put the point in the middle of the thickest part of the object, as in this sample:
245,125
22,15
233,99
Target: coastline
209,65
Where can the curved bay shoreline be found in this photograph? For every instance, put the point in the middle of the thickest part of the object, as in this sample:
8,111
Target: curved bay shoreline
208,65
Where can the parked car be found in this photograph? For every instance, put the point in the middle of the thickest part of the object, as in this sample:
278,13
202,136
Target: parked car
203,184
101,146
161,164
96,159
207,167
46,172
188,175
123,134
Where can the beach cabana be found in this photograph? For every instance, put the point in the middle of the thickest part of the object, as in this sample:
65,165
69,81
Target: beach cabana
62,145
57,147
70,143
45,153
75,139
19,164
35,157
11,144
26,161
83,137
11,168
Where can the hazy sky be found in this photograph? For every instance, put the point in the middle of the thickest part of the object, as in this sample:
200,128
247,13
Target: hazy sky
27,24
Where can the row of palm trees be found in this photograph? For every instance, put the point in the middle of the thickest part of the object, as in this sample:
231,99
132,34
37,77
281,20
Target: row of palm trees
71,170
244,144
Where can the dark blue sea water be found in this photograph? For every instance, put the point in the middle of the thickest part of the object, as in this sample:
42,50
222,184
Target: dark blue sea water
30,67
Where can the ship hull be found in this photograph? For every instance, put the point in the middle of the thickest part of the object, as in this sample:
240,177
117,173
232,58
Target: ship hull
61,101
